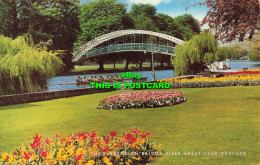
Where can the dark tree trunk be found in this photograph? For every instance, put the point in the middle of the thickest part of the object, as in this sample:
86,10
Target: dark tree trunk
114,65
126,64
101,65
169,63
140,64
161,65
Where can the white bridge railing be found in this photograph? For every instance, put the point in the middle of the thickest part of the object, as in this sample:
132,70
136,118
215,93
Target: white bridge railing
144,47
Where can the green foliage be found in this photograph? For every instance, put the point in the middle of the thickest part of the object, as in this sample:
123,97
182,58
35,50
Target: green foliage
254,54
8,18
25,67
145,23
167,25
146,10
192,55
52,21
226,53
101,17
187,25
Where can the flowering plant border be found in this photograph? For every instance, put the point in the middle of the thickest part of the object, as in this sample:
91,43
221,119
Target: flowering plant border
146,99
87,148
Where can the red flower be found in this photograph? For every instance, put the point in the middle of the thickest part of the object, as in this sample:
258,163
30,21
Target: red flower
7,158
27,156
48,141
71,137
106,139
150,133
36,143
62,140
92,135
136,131
105,150
79,157
58,135
120,144
94,141
15,153
69,142
113,133
144,135
44,153
129,137
37,138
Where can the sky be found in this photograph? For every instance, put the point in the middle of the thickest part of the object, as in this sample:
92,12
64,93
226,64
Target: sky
171,7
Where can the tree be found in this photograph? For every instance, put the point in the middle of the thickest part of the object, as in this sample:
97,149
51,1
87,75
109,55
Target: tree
60,21
24,66
142,22
232,18
51,22
254,54
101,17
225,52
193,55
188,26
143,9
8,18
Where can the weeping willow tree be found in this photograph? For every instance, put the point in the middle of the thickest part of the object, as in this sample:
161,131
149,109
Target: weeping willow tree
192,56
25,67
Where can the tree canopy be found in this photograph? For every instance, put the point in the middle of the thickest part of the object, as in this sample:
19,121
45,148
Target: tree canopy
143,9
254,54
192,56
51,22
101,17
233,18
24,66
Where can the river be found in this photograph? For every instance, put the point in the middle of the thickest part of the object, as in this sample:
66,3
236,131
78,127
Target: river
54,83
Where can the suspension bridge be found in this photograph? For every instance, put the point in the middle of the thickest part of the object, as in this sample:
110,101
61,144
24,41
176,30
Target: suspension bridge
127,41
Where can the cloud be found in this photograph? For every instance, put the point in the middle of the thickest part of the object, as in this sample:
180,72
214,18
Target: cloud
152,2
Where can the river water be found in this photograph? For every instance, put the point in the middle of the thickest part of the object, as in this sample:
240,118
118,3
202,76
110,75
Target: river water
54,83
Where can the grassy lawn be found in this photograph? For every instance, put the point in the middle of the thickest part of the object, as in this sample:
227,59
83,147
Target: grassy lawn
213,119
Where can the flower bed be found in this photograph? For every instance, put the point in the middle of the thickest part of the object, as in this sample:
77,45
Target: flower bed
242,72
85,148
241,78
147,99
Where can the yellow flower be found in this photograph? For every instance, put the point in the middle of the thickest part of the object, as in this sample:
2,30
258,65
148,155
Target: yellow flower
129,161
137,158
5,156
22,161
106,159
91,162
117,157
150,158
81,142
12,159
80,151
51,162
